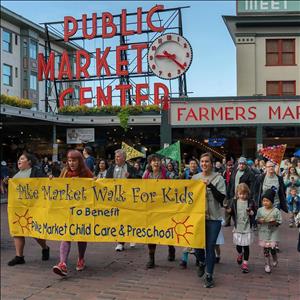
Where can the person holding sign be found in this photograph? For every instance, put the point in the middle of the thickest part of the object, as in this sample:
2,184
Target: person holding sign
121,169
215,194
75,167
156,171
27,170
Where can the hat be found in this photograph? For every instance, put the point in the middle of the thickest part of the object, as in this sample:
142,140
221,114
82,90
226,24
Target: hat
269,194
3,163
250,162
242,160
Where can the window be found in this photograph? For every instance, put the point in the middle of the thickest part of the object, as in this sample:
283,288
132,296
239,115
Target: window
25,48
33,81
16,72
33,49
280,52
16,39
6,39
281,88
7,75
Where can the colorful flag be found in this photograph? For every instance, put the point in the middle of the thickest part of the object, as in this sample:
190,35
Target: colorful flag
273,153
131,152
173,152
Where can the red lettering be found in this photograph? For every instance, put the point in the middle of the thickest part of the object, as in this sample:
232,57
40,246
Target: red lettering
228,110
85,26
139,97
120,63
139,48
123,88
139,20
82,99
239,112
273,112
124,30
79,55
179,113
252,111
203,113
108,21
157,97
46,68
63,94
149,18
65,66
217,113
68,33
298,112
101,98
288,113
101,61
191,114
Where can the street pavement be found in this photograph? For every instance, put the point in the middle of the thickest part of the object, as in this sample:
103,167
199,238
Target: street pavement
122,275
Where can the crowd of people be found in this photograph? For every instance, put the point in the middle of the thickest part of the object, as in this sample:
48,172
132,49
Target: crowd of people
252,194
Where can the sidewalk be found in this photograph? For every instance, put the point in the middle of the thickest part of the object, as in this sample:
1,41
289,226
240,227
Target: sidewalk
111,275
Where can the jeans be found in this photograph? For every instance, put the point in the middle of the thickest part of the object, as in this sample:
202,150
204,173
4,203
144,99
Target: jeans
207,256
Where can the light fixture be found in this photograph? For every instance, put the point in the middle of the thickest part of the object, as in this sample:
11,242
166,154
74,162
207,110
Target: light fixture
276,138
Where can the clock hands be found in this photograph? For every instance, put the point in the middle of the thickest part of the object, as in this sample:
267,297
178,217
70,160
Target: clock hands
172,57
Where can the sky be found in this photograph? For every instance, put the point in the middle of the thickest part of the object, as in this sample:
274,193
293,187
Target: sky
213,69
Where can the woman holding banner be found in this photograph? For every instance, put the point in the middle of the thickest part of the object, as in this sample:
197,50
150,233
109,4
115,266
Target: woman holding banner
75,167
215,194
156,171
27,169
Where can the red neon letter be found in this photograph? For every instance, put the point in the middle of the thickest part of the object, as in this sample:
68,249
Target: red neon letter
102,62
65,62
94,27
123,88
46,68
107,21
79,68
139,48
67,32
149,17
165,97
139,97
119,62
139,20
124,23
82,99
63,94
179,113
107,100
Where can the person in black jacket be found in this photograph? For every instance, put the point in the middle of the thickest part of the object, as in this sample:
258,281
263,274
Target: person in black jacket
121,169
27,170
242,174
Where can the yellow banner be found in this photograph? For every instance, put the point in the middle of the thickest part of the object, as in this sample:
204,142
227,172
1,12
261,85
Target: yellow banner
168,212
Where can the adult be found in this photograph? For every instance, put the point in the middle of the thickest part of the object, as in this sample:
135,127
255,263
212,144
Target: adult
215,195
89,159
242,174
3,177
121,169
219,168
75,167
155,170
193,169
46,166
138,169
27,169
267,181
291,179
101,168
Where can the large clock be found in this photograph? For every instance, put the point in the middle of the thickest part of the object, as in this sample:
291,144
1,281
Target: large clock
169,56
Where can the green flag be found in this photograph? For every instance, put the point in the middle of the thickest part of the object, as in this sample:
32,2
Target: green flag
173,152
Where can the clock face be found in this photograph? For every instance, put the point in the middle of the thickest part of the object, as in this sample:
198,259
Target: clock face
170,56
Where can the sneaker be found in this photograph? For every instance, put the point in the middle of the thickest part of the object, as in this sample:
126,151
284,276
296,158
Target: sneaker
197,263
267,268
201,269
245,268
218,258
183,264
277,249
80,264
275,260
119,248
132,245
60,269
239,259
17,260
46,253
291,225
208,281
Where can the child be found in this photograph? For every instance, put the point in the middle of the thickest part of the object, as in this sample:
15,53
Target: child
293,201
219,242
185,257
242,211
268,219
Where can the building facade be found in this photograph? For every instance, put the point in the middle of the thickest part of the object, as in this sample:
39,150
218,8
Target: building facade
21,41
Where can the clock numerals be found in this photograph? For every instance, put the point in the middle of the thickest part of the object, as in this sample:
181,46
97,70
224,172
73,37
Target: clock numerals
151,57
160,72
153,67
153,48
187,54
185,45
185,64
178,39
159,41
169,37
169,74
178,71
